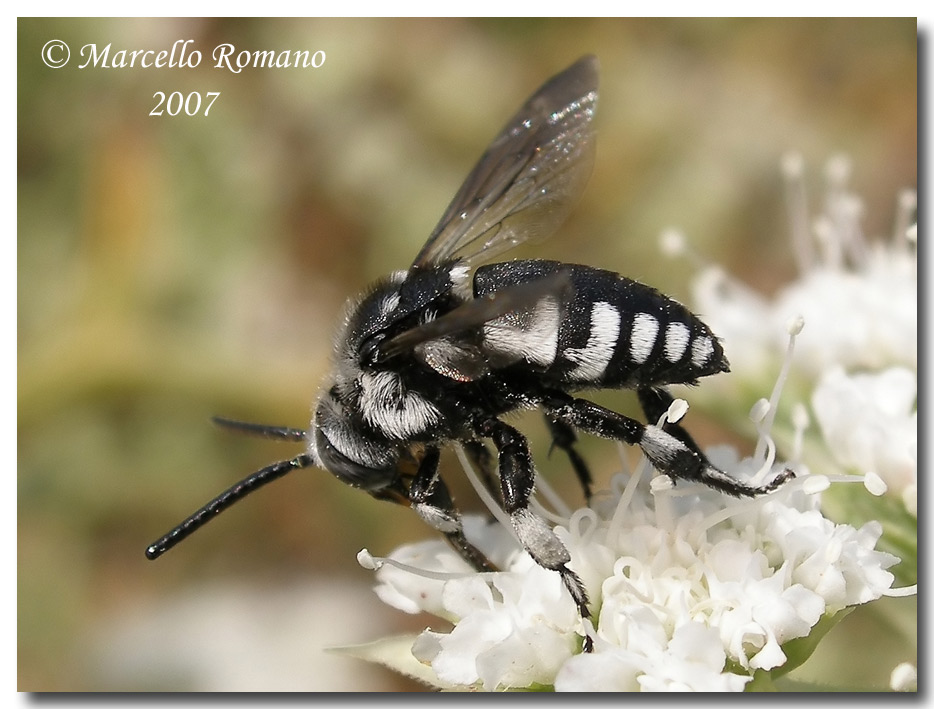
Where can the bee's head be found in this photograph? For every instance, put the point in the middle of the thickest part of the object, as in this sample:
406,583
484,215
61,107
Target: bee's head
339,445
353,408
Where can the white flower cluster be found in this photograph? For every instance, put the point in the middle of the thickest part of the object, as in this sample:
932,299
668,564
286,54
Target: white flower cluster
859,299
691,590
864,317
859,350
870,423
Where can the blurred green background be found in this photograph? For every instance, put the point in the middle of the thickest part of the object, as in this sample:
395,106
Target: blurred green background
171,268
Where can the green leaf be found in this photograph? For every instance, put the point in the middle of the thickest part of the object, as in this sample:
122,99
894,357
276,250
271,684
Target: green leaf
800,649
797,651
762,681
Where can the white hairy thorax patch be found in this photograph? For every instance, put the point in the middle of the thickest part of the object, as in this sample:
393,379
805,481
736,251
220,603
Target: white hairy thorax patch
387,406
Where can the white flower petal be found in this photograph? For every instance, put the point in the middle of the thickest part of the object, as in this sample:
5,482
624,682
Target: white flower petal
613,671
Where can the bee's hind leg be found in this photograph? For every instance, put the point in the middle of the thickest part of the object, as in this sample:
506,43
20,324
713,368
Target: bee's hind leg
666,451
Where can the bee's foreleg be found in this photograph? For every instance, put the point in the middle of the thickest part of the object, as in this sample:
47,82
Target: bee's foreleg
432,501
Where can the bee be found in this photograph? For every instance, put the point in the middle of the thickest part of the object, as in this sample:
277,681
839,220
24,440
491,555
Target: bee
440,352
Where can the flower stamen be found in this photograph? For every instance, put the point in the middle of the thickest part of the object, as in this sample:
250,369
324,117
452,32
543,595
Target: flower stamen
482,492
374,563
792,165
794,326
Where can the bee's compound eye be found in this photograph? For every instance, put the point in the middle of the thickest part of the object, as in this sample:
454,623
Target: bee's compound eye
374,474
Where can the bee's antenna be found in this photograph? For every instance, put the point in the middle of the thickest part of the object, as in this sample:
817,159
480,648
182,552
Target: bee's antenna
282,433
225,500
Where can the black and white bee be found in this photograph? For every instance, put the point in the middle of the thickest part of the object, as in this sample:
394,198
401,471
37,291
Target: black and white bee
442,351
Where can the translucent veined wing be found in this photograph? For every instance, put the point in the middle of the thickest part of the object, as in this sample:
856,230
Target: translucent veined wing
526,182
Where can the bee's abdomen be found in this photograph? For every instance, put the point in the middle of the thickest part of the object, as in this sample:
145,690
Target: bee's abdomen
610,331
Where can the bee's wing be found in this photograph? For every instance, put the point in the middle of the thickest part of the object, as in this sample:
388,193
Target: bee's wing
528,179
479,311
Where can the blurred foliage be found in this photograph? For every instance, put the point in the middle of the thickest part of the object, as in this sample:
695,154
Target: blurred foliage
171,268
